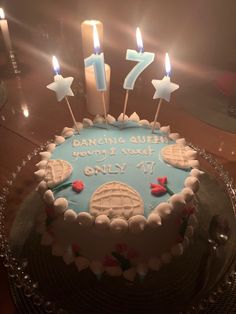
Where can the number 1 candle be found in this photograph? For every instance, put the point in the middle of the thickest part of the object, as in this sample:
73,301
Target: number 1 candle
144,59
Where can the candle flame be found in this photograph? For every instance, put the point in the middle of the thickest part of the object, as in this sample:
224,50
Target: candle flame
2,14
167,64
139,40
96,42
55,64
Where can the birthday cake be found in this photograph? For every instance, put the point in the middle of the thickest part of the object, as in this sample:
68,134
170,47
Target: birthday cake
119,198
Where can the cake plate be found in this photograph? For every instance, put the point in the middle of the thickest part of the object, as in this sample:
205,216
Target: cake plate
202,280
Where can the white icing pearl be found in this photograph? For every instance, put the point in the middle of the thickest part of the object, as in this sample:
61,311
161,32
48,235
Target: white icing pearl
114,271
193,221
70,215
144,122
85,219
130,274
196,173
98,119
42,187
194,163
51,147
60,205
174,136
59,139
187,194
87,122
166,258
137,223
154,263
39,174
48,197
67,132
45,155
57,250
189,232
134,117
177,201
81,263
163,209
46,239
96,267
192,182
42,164
154,220
181,141
165,129
120,118
102,222
110,119
177,249
118,225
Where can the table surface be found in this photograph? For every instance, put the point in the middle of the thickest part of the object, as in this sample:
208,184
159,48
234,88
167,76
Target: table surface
31,114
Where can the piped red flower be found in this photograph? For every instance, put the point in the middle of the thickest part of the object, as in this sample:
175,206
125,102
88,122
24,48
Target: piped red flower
162,180
121,248
77,186
160,189
109,261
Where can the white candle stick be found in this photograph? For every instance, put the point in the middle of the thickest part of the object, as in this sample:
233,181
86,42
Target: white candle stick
5,30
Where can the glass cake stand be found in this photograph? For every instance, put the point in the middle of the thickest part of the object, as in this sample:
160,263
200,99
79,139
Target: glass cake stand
202,280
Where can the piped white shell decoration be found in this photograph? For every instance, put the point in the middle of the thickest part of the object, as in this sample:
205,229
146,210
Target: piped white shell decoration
142,269
186,242
137,223
87,123
51,147
39,174
194,163
84,219
130,274
59,139
157,125
134,117
45,155
68,256
102,222
187,194
181,141
192,183
196,173
177,201
163,209
176,155
81,263
46,239
166,258
144,122
98,119
116,199
177,249
120,118
154,263
42,187
118,225
67,132
57,249
48,197
154,220
57,171
191,154
110,119
114,271
42,164
174,136
189,232
78,126
165,129
96,267
70,215
60,205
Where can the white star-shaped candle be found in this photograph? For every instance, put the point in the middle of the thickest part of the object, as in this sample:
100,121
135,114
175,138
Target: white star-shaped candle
61,85
164,87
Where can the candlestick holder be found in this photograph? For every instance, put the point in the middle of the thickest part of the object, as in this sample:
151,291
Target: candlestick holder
13,62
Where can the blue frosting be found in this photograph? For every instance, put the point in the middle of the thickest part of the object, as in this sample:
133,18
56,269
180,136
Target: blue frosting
133,176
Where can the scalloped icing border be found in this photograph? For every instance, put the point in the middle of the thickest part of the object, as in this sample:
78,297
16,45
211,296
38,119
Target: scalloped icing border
136,223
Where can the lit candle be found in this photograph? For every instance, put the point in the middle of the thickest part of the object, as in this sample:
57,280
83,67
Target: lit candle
62,87
87,35
5,30
164,88
144,59
97,79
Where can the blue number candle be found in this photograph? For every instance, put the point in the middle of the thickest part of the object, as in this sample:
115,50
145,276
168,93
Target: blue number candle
143,59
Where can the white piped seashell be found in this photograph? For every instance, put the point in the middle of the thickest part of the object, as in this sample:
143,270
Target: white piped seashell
181,141
57,171
110,119
67,132
163,209
165,129
196,173
154,263
130,274
78,126
118,225
144,122
42,164
85,219
191,154
192,183
157,125
42,187
102,222
81,263
174,136
45,155
48,197
59,139
193,221
98,119
46,239
186,242
114,271
96,267
87,122
57,249
142,269
137,223
177,249
134,117
154,220
193,163
189,232
68,256
187,194
177,201
39,174
60,205
51,147
120,118
70,215
166,258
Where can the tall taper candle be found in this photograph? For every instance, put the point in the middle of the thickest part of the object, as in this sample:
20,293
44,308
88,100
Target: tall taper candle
87,35
5,30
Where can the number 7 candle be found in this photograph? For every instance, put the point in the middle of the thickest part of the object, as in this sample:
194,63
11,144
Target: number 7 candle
144,59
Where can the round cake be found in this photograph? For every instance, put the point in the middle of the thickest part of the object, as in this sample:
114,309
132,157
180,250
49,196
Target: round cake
119,198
